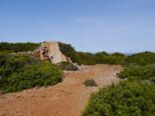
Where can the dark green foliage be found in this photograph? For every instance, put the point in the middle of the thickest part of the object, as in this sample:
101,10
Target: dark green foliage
43,74
67,66
118,54
89,58
77,57
85,58
110,59
139,72
10,63
18,47
115,58
130,98
19,72
134,97
143,58
69,51
103,53
90,83
66,48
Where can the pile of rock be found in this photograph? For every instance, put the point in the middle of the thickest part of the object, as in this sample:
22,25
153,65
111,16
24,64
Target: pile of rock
51,51
44,52
36,53
48,51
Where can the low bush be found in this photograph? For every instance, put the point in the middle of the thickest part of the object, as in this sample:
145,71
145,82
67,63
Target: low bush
139,72
85,58
43,74
141,59
22,72
89,58
111,59
144,58
67,66
69,51
129,98
90,83
18,47
10,63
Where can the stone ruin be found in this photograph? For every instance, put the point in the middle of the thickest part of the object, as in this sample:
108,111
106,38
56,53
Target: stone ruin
48,51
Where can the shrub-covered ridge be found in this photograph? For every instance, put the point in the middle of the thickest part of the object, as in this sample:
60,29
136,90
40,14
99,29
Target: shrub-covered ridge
139,72
130,98
18,47
19,72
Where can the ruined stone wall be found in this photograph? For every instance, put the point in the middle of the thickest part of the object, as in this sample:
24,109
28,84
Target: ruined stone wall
48,51
51,51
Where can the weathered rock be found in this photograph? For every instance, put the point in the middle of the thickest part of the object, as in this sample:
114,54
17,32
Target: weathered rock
51,51
48,51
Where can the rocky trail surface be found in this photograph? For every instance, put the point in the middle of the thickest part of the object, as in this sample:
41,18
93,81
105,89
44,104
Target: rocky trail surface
67,98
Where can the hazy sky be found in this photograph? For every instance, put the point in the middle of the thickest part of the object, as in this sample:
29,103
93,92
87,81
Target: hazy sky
89,25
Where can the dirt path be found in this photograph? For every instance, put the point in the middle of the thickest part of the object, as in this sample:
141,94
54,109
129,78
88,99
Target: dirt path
67,98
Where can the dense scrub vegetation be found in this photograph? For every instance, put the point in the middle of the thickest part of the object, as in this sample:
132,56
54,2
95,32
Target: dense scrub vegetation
18,47
90,83
68,50
67,66
115,58
144,58
139,72
132,97
89,58
129,98
18,72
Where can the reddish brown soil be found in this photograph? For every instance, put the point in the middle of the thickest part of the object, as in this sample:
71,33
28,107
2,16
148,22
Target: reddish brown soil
67,98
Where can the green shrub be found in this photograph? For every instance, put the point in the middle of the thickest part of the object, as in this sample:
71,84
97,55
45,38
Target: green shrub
139,72
10,63
144,58
43,74
129,98
90,83
69,51
85,58
89,58
19,72
103,53
118,54
18,47
67,66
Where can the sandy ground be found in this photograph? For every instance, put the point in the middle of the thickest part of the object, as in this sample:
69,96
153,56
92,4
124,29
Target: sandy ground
67,98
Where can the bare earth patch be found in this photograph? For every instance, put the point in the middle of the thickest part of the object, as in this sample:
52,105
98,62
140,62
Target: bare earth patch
67,98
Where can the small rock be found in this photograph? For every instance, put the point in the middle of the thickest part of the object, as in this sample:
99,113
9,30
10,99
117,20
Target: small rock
18,96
